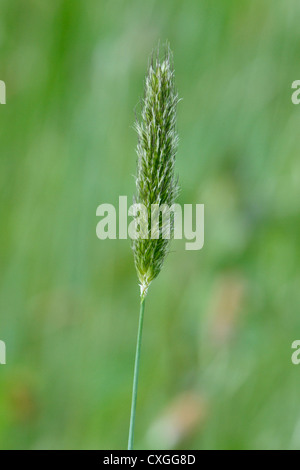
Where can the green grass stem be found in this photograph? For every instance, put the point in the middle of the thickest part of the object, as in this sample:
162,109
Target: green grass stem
136,374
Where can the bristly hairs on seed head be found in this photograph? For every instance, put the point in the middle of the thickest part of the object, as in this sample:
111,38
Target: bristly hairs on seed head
156,182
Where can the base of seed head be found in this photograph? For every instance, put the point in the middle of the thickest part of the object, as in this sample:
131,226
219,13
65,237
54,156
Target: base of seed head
143,290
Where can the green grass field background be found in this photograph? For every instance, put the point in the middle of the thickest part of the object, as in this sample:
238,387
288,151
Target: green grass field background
216,369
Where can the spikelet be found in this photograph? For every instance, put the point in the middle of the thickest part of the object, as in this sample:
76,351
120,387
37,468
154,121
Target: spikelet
157,144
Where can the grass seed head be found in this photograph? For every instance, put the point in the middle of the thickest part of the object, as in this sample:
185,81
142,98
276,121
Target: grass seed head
156,182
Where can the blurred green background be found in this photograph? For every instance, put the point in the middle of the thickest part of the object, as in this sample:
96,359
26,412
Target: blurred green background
216,369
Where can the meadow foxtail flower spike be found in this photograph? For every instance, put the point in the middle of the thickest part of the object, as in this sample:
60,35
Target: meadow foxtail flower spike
157,143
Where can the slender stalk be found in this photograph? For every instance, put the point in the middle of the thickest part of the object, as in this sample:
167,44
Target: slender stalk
136,374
